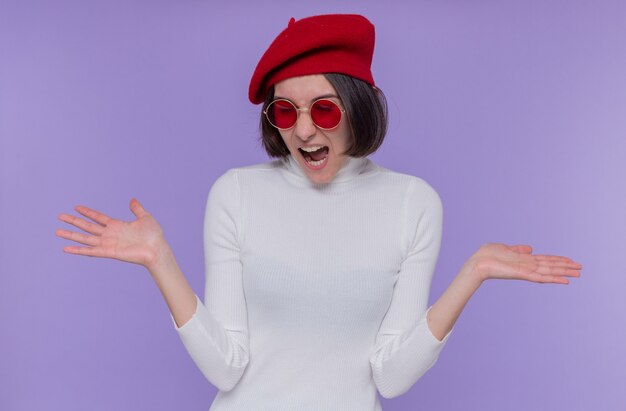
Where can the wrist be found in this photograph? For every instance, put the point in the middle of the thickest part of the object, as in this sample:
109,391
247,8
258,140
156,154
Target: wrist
161,258
473,270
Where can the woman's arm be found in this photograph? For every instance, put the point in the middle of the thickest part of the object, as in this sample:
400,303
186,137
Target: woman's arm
411,336
494,261
215,335
405,348
140,242
178,294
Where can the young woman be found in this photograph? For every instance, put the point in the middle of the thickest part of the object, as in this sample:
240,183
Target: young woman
319,263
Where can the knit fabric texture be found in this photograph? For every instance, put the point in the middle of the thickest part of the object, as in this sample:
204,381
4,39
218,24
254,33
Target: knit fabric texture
316,295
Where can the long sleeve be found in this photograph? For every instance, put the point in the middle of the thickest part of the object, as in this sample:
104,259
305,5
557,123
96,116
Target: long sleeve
216,337
405,347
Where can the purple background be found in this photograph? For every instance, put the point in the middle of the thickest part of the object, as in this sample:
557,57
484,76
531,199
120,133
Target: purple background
514,111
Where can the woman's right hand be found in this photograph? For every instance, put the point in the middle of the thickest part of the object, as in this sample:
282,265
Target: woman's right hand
140,241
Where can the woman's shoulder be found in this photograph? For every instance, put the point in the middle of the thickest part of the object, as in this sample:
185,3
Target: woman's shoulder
252,169
408,182
233,176
418,198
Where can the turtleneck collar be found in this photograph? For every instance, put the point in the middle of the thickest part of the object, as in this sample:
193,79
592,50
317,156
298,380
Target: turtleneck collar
353,167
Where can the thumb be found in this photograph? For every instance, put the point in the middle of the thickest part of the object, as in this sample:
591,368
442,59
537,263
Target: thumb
137,208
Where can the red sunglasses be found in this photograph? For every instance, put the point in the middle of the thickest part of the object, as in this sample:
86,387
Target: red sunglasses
283,114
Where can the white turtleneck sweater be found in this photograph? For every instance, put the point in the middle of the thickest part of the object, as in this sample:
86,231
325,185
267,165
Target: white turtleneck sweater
316,295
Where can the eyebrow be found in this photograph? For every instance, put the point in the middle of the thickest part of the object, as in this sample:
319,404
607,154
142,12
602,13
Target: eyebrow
312,100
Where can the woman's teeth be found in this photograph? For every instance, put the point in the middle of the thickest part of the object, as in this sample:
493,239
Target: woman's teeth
315,155
310,149
316,163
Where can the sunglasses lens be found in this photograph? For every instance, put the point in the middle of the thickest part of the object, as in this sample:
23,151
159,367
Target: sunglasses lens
325,114
282,114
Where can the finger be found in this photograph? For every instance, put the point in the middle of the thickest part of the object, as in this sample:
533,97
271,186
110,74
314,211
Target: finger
79,237
521,248
88,251
557,271
559,263
96,216
91,228
540,278
137,208
557,258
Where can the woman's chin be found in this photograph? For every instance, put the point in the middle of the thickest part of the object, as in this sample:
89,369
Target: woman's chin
320,176
321,179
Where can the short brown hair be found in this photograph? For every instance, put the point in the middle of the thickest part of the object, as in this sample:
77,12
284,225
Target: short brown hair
366,112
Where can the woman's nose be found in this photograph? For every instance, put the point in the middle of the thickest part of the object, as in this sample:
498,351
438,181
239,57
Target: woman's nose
305,129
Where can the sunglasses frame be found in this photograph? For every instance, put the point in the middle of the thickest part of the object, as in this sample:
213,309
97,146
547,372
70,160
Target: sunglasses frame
299,109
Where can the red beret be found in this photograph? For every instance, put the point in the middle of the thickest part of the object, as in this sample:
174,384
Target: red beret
333,43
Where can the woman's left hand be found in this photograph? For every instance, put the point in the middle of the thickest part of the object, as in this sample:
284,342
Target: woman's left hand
515,262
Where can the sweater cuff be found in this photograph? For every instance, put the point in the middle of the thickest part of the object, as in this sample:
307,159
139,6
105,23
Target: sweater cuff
200,326
190,323
397,366
202,329
435,340
220,357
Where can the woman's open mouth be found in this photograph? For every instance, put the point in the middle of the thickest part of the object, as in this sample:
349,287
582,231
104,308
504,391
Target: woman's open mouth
315,156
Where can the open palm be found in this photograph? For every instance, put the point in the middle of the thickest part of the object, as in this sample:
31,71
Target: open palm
136,242
516,262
